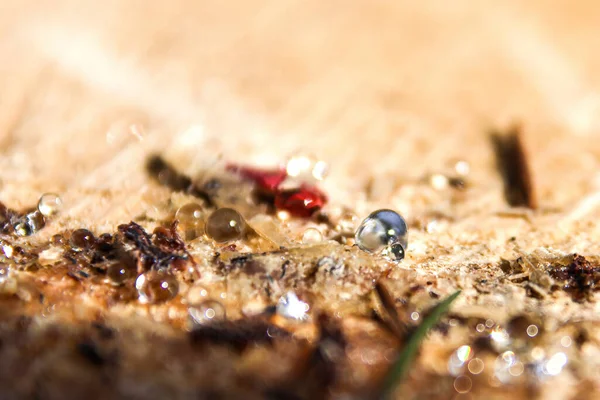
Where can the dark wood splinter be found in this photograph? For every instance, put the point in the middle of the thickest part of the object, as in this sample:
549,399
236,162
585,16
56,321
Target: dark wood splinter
512,162
166,175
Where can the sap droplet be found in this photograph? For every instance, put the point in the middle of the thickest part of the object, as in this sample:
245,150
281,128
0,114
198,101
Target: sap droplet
225,224
82,239
191,221
118,273
156,286
311,236
49,204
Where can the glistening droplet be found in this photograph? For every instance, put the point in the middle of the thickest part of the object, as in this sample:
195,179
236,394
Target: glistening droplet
49,204
118,273
156,286
289,306
311,236
225,224
381,229
191,221
82,239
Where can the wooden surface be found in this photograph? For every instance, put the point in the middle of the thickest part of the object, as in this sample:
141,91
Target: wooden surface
385,91
375,87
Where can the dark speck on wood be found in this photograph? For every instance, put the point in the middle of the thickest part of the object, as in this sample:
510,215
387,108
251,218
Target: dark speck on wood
89,351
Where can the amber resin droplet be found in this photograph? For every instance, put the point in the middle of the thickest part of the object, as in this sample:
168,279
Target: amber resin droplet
118,273
49,204
225,224
82,239
156,286
190,220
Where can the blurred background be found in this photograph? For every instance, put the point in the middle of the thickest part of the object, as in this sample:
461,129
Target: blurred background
377,88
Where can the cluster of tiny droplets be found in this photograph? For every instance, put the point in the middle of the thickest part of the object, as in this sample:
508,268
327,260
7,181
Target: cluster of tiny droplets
225,225
518,356
383,232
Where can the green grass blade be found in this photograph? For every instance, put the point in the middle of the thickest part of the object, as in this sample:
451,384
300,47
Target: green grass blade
403,363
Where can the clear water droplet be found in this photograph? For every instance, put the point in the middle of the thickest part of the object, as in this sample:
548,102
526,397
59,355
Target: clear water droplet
49,204
382,228
225,224
311,236
156,286
290,306
207,311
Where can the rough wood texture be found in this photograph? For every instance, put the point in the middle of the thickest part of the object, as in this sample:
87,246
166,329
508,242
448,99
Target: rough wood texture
388,92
